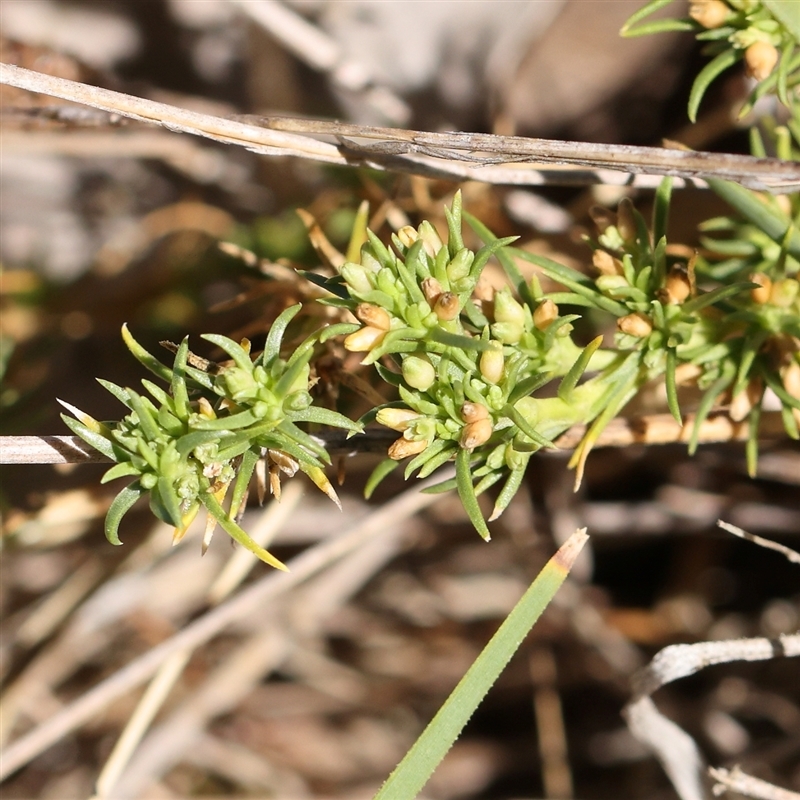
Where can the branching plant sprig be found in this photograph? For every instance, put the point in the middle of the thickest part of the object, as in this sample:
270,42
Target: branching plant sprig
189,444
765,34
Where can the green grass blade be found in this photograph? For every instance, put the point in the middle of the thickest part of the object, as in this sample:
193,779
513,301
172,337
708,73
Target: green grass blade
415,769
466,491
706,76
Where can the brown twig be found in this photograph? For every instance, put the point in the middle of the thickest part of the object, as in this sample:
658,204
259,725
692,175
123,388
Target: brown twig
505,160
652,429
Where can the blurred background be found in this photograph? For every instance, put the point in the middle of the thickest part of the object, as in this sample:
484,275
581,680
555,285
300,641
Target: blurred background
106,221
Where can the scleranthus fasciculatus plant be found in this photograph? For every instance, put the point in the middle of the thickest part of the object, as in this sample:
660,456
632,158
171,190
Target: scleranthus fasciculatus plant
483,377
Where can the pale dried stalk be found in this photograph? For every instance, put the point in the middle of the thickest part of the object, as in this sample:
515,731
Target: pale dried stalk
489,158
674,748
740,782
381,523
651,429
790,554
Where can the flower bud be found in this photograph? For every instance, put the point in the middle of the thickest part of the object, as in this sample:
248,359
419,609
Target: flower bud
374,316
430,239
204,408
402,448
709,13
407,235
418,372
398,419
432,290
606,264
760,59
784,292
743,402
460,265
791,379
507,309
447,306
474,434
492,364
357,278
362,341
761,294
472,412
238,383
546,312
677,286
635,325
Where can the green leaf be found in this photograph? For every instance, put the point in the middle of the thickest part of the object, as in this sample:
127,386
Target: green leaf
466,492
715,67
707,403
144,358
453,217
236,533
325,416
510,488
242,483
122,503
661,209
186,443
239,355
180,395
786,12
516,417
272,347
381,471
570,380
720,293
413,772
95,440
123,470
506,261
672,387
242,419
764,216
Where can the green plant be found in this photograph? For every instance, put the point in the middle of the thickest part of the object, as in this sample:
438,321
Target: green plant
765,34
468,366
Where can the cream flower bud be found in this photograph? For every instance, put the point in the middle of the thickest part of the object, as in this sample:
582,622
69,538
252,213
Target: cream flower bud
418,372
364,340
460,265
402,448
635,325
546,312
356,277
507,309
374,316
677,286
791,379
492,364
398,419
760,59
472,412
431,240
432,290
606,264
407,235
709,13
743,402
761,294
474,434
447,306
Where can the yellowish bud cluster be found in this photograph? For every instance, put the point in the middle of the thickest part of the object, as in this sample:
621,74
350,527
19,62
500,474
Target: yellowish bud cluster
398,419
492,364
376,323
403,448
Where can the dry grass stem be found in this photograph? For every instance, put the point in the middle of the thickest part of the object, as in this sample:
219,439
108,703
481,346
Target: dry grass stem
488,158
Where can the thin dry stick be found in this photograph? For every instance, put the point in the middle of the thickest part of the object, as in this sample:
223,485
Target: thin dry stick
740,782
380,523
651,429
140,720
792,555
674,748
457,156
